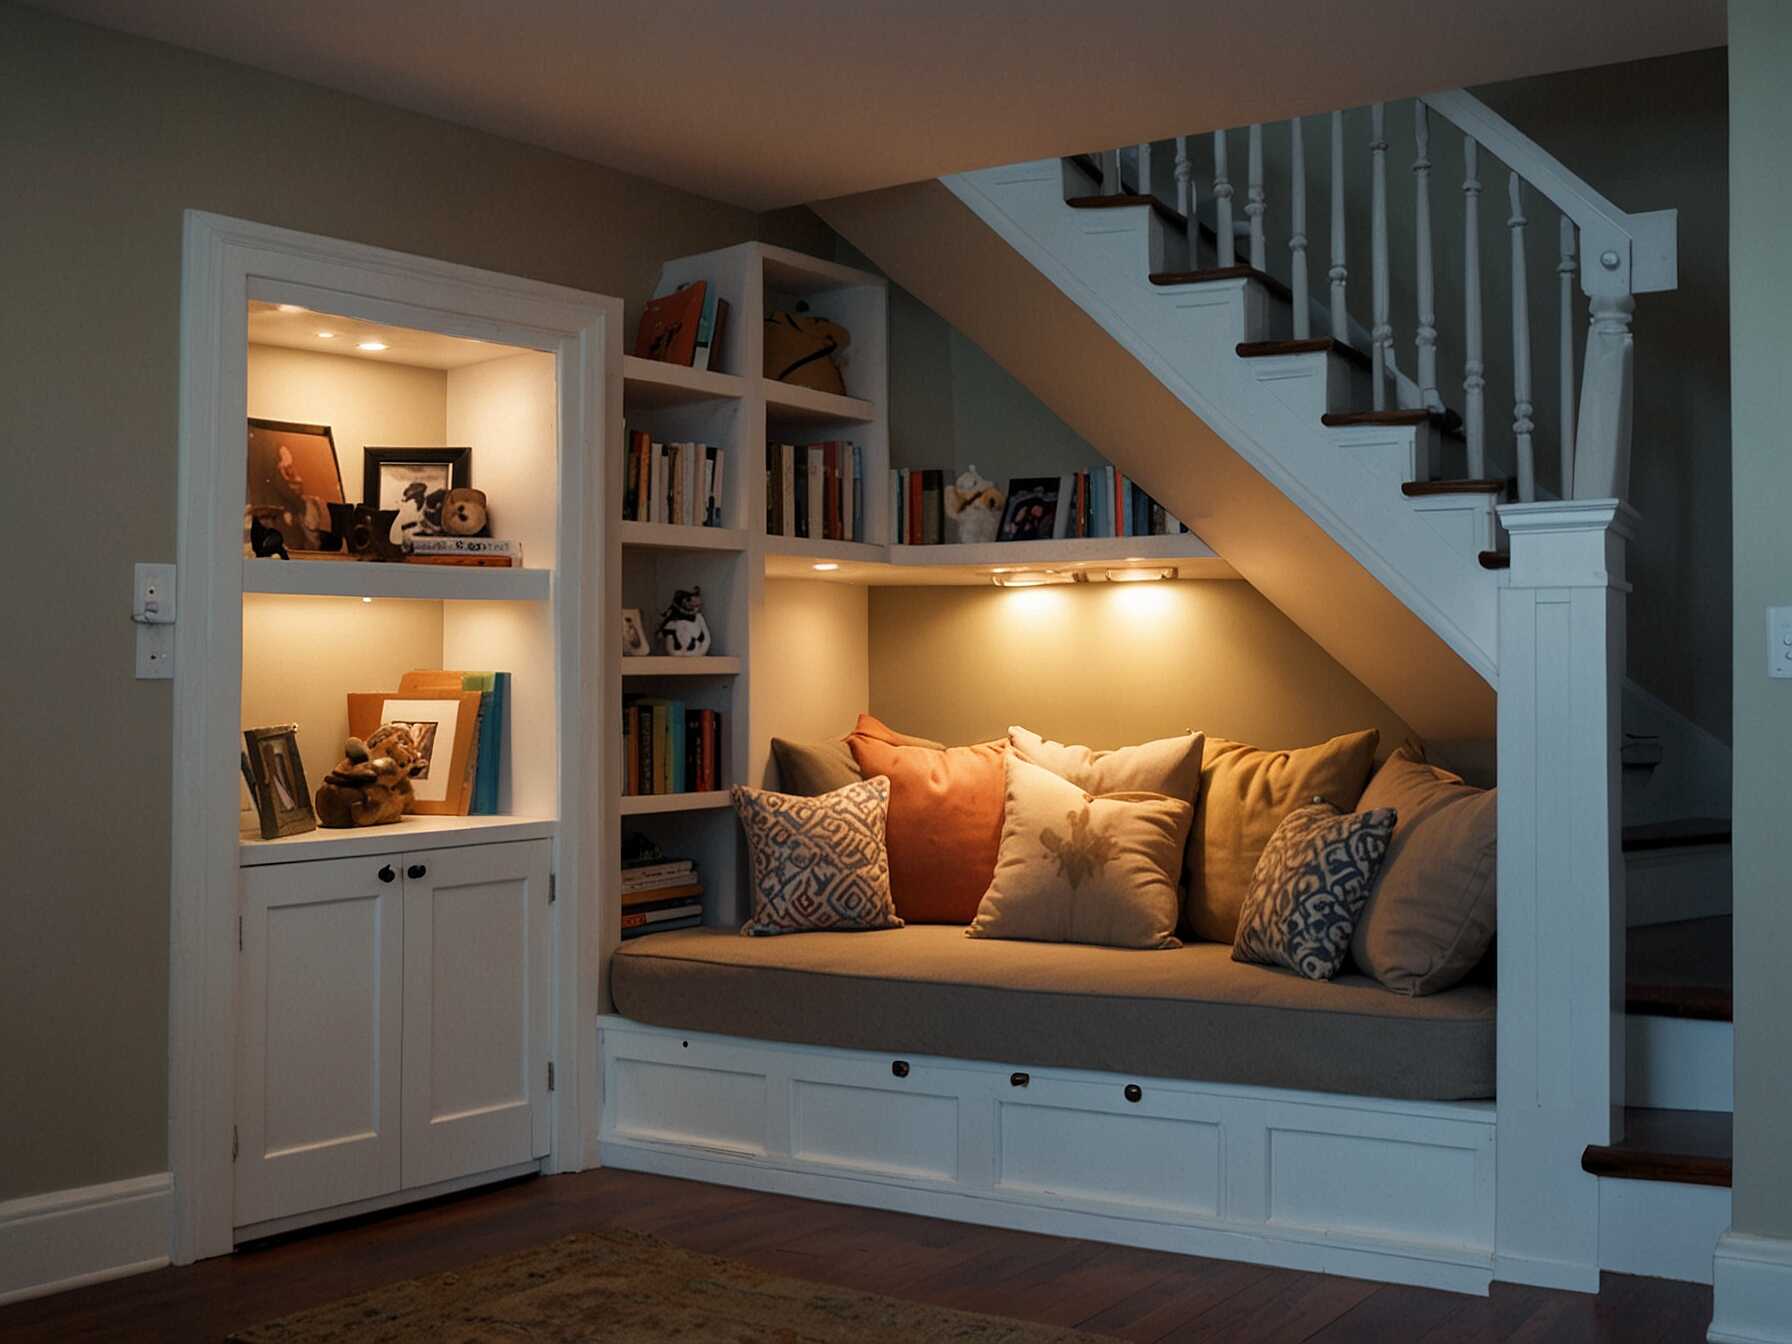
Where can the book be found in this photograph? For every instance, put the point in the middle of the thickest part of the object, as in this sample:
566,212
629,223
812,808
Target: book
661,897
649,874
641,930
817,487
467,546
669,325
465,561
635,919
706,331
787,486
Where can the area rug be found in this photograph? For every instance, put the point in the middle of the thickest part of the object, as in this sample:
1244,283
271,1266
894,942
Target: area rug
618,1287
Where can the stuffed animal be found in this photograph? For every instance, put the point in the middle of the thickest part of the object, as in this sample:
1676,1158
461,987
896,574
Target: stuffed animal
372,785
463,512
803,349
973,508
682,629
411,520
265,540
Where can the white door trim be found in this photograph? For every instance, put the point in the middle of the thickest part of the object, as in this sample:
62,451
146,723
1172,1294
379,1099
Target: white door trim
225,263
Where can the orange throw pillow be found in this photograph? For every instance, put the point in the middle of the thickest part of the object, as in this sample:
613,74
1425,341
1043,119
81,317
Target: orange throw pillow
945,823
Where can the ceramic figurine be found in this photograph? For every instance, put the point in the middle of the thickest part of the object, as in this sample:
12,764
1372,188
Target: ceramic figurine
372,784
410,521
973,508
682,630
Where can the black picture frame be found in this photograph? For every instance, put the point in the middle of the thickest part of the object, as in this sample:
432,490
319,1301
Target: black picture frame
374,461
1032,509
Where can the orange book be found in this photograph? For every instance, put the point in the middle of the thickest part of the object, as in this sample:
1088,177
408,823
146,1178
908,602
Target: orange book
668,330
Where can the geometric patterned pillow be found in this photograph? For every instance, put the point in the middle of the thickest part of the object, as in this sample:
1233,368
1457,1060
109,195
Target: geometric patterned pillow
1310,886
818,863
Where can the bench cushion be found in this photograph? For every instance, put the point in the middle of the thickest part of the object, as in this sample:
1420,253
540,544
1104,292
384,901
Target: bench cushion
1188,1012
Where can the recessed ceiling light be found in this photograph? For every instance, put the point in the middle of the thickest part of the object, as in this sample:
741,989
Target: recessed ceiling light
825,565
371,345
367,599
1140,575
326,335
288,308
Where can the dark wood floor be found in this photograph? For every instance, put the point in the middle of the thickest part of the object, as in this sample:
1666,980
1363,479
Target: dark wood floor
1111,1290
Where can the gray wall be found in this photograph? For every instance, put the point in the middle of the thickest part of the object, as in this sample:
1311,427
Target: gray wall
1760,298
107,139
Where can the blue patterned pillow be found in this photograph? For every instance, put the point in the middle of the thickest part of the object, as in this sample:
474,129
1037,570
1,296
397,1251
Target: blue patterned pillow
1310,886
819,863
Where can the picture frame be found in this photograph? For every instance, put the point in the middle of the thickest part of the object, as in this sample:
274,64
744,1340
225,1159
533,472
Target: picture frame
445,727
1031,512
294,476
634,634
276,778
390,478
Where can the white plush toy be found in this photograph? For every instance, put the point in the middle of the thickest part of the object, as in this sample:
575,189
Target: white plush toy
973,508
682,629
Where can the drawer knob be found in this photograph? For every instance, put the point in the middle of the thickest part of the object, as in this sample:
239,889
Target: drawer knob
415,871
899,1067
1133,1092
1018,1080
387,874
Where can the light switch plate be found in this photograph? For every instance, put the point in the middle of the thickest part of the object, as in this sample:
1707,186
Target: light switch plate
153,610
1779,641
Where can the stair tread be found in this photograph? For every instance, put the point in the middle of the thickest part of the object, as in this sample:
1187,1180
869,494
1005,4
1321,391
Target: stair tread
1168,214
1683,969
1264,278
1686,1147
1088,163
1675,834
1496,560
1313,346
1416,489
1445,422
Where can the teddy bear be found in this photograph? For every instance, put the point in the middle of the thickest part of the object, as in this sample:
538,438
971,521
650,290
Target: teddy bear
973,508
372,784
463,512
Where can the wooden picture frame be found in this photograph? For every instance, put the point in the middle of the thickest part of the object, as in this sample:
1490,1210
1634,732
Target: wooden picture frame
276,778
294,475
445,725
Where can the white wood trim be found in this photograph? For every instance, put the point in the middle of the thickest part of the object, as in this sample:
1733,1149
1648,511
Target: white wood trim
640,805
403,835
651,383
677,537
1752,1283
672,665
274,1227
347,578
225,262
70,1238
1661,1229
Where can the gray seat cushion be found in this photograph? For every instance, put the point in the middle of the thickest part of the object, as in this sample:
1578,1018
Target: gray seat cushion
1189,1012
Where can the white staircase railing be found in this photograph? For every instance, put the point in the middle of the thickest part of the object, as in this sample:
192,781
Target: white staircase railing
1617,255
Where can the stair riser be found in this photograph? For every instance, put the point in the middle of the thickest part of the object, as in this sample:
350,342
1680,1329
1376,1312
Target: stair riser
1679,1064
1667,885
1464,520
1660,1229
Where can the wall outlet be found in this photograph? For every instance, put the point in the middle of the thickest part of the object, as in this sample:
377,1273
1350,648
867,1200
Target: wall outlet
1779,641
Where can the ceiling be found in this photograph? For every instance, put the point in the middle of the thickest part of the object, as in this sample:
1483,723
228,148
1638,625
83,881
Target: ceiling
767,103
296,328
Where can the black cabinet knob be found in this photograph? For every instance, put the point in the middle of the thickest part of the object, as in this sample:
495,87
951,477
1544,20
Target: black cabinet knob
1133,1092
415,871
1018,1080
387,874
899,1067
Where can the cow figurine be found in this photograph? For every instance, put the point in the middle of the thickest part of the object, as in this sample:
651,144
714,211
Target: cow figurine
682,630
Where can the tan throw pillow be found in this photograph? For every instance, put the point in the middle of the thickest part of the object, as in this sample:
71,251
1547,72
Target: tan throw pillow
1245,793
818,863
1169,765
1310,887
810,769
1431,918
1076,868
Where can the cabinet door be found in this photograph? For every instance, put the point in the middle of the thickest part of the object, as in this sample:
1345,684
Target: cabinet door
477,1009
319,1036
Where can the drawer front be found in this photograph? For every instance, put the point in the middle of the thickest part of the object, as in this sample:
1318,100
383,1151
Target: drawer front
1160,1161
895,1133
709,1107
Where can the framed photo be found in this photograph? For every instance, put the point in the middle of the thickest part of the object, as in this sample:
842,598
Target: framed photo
634,634
1032,509
445,727
391,476
294,477
276,779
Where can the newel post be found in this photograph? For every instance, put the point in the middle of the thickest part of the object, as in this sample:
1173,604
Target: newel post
1561,881
1607,389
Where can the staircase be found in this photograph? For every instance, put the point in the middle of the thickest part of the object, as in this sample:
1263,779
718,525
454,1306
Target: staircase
1251,365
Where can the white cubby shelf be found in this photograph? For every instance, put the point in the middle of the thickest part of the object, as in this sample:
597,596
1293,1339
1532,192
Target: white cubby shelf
678,537
406,834
648,804
650,384
672,665
787,404
372,578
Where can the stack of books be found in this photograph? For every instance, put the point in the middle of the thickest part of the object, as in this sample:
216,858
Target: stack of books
479,552
657,896
1078,504
672,482
668,748
815,490
917,516
683,325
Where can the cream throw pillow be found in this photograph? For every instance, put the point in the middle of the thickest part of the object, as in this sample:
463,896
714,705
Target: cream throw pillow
1169,765
1077,868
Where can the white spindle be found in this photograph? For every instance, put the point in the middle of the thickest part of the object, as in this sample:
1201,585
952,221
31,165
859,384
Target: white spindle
1338,273
1382,337
1521,350
1145,182
1185,199
1565,269
1474,367
1254,205
1602,443
1297,236
1110,172
1222,203
1426,337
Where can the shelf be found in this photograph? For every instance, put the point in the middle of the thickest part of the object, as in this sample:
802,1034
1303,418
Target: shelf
788,404
677,537
649,384
641,805
969,565
1060,552
371,578
788,272
670,665
402,836
811,549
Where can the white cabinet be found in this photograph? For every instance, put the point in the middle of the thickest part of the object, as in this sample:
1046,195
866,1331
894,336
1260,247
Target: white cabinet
394,1024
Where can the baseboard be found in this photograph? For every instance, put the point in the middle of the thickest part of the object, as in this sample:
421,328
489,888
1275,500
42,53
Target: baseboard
1570,1276
69,1238
1752,1285
1660,1229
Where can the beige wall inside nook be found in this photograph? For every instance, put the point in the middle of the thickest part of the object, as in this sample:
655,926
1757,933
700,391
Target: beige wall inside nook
811,676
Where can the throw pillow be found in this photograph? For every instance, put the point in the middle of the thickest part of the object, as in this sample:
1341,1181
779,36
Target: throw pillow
810,769
1245,793
1076,868
1309,888
1431,917
945,821
1169,765
818,863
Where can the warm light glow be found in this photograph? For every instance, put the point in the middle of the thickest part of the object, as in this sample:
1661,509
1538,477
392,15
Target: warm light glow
1142,601
1141,575
1030,578
326,335
825,566
371,345
367,599
288,308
